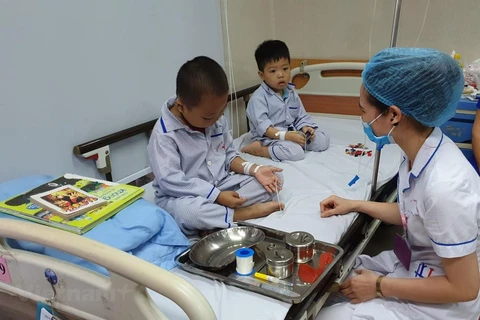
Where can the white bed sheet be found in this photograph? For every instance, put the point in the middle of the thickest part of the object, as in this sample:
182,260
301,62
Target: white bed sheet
307,182
228,302
321,174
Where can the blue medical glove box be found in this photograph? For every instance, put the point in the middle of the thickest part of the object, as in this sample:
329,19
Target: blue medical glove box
459,128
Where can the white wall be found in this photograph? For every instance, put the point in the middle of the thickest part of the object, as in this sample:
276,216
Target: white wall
72,71
249,23
340,29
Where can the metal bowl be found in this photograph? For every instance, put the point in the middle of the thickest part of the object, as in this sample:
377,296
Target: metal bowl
217,250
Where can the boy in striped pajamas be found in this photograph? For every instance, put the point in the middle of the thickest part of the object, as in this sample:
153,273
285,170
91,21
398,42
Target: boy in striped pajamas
279,124
199,177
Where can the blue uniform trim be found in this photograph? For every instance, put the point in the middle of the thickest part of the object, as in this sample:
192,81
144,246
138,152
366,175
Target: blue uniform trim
426,164
163,125
217,135
211,192
453,244
226,217
293,108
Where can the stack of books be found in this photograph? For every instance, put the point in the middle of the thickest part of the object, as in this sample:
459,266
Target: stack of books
72,203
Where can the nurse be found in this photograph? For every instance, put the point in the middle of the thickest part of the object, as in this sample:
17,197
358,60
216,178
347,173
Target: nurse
433,271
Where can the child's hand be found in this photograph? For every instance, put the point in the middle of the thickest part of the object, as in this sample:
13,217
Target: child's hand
268,179
309,129
230,199
295,137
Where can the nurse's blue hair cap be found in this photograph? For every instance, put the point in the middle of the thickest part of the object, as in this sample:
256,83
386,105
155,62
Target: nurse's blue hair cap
425,84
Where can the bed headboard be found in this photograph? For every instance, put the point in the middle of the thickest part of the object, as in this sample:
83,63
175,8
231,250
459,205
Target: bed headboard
320,84
328,86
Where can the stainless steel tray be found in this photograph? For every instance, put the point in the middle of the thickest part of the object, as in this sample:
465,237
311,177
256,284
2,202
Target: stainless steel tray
292,294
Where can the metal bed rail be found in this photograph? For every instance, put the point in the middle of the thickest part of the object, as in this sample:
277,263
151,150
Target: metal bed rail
99,149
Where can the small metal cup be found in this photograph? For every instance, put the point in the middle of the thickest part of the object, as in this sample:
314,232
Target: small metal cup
301,244
279,263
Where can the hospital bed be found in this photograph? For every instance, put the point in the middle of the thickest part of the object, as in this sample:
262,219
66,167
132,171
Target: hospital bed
330,92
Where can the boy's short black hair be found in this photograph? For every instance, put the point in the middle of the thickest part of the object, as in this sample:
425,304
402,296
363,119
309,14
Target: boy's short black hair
271,51
199,76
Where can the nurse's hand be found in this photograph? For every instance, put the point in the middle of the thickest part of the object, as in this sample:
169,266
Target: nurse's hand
268,179
360,288
334,205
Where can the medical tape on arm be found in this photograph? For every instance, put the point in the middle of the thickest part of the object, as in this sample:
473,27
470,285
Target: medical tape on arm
246,167
281,135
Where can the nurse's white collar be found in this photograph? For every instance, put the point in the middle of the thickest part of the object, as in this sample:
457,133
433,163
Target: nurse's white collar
426,152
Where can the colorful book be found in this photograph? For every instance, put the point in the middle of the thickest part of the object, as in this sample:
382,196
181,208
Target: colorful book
116,196
67,201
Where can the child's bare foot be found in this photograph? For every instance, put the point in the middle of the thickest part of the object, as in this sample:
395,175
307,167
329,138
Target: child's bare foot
257,210
252,148
255,148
